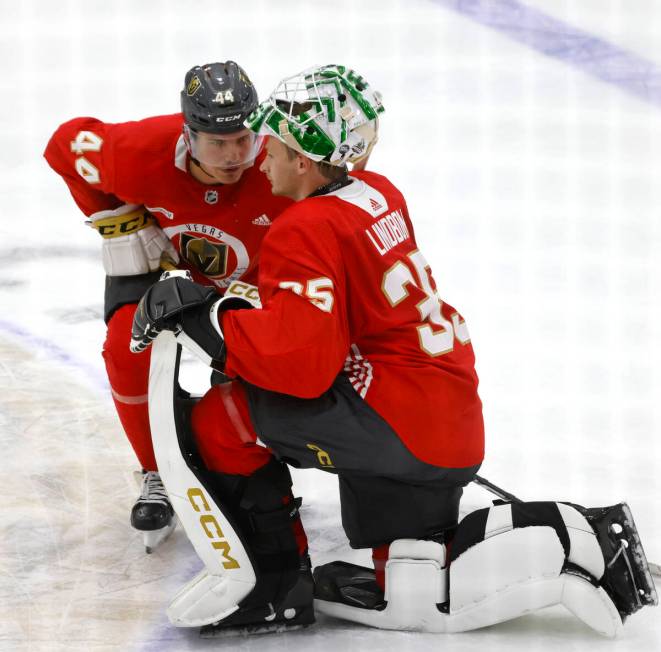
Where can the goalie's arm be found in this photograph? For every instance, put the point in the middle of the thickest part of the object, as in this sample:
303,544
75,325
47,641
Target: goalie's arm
291,346
189,310
299,342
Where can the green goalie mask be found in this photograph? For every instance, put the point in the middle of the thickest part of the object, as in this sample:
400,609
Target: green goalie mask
327,113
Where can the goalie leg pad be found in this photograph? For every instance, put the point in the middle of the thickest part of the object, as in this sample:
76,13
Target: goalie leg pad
228,576
267,515
416,589
506,561
518,557
520,571
243,528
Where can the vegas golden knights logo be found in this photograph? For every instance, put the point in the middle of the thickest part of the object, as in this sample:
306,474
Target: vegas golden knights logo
193,85
210,258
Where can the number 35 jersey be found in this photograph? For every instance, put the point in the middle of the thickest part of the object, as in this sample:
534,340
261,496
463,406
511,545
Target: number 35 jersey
217,229
345,289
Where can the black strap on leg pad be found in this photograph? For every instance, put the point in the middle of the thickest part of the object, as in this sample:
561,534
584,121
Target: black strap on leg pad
472,529
253,505
256,502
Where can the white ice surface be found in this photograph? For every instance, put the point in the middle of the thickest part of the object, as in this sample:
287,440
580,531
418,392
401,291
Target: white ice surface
535,193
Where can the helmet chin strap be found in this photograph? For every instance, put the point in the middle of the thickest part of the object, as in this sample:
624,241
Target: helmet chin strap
192,158
195,162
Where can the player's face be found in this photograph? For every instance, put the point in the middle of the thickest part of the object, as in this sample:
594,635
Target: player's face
280,170
224,156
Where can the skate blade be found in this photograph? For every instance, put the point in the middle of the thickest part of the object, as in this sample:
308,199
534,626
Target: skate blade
154,538
216,631
640,567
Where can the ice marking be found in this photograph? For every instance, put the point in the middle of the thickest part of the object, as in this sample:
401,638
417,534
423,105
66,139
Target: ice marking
559,40
54,352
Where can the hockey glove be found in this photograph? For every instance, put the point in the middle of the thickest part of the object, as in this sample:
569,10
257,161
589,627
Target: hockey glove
133,242
188,309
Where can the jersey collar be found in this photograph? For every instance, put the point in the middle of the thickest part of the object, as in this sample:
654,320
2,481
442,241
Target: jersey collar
180,154
331,187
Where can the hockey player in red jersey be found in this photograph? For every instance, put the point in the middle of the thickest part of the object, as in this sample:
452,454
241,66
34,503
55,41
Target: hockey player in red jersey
186,187
353,365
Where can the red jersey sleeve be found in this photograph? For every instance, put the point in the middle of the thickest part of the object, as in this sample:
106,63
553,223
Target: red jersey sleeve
297,343
80,151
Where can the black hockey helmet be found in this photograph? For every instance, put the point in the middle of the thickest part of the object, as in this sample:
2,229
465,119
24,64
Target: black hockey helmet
217,97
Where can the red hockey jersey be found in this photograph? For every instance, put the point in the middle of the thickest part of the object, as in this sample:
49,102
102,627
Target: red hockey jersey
217,229
346,289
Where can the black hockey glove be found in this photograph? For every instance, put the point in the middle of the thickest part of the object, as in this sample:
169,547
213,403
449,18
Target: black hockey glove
190,311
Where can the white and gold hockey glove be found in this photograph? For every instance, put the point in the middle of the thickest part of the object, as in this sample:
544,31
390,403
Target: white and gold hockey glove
133,243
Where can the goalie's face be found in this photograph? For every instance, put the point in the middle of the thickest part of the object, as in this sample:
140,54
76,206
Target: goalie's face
224,157
283,169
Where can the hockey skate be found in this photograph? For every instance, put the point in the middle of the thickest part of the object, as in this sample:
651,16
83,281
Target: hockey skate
627,578
353,585
152,512
294,612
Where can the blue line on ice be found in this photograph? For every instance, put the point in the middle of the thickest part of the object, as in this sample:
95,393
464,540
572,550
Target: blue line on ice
54,352
553,38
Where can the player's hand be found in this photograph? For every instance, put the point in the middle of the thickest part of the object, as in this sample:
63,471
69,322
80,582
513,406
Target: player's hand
163,306
133,242
189,310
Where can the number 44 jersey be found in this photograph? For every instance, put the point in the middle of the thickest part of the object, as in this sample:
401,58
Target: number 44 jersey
346,289
217,229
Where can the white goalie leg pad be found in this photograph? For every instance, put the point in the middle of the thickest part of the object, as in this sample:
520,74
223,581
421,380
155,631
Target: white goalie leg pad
500,578
518,572
416,582
592,605
228,576
584,550
505,575
202,601
514,571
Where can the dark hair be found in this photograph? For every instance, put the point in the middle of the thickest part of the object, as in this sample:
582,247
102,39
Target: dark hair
332,172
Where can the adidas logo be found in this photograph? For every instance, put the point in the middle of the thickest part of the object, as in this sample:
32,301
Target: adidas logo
262,220
376,207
